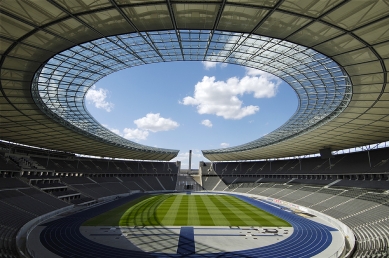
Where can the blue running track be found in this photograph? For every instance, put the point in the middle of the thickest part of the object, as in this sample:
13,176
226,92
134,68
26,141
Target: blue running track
186,243
63,237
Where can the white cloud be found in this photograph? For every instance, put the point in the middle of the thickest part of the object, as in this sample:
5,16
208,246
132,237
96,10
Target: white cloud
130,134
224,144
207,123
221,98
98,98
150,123
135,134
155,123
208,65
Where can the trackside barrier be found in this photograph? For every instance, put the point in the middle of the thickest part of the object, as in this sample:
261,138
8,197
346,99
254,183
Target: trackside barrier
29,226
161,191
106,198
344,229
111,197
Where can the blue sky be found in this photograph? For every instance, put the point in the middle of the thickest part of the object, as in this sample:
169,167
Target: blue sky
191,105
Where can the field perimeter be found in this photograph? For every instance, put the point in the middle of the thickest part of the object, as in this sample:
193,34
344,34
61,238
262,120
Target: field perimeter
187,210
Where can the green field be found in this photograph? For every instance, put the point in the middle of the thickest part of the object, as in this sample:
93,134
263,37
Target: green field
187,210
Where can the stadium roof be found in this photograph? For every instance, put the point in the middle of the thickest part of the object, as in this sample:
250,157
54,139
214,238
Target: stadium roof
335,54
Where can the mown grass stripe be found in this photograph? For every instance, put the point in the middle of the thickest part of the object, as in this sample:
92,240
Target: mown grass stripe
217,215
251,218
182,213
187,210
112,217
205,217
130,217
164,207
248,218
143,214
193,215
172,205
267,218
233,215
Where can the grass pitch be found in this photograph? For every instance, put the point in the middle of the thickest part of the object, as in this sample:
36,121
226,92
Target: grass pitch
187,210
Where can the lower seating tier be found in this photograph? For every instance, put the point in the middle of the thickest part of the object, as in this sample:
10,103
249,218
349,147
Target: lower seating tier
19,206
366,213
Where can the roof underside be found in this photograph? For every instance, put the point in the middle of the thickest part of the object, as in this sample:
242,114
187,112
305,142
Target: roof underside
354,34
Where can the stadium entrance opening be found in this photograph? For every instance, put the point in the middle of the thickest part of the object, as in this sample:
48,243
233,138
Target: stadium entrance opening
188,187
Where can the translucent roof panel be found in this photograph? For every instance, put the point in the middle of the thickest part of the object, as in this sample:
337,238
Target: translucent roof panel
312,45
323,88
